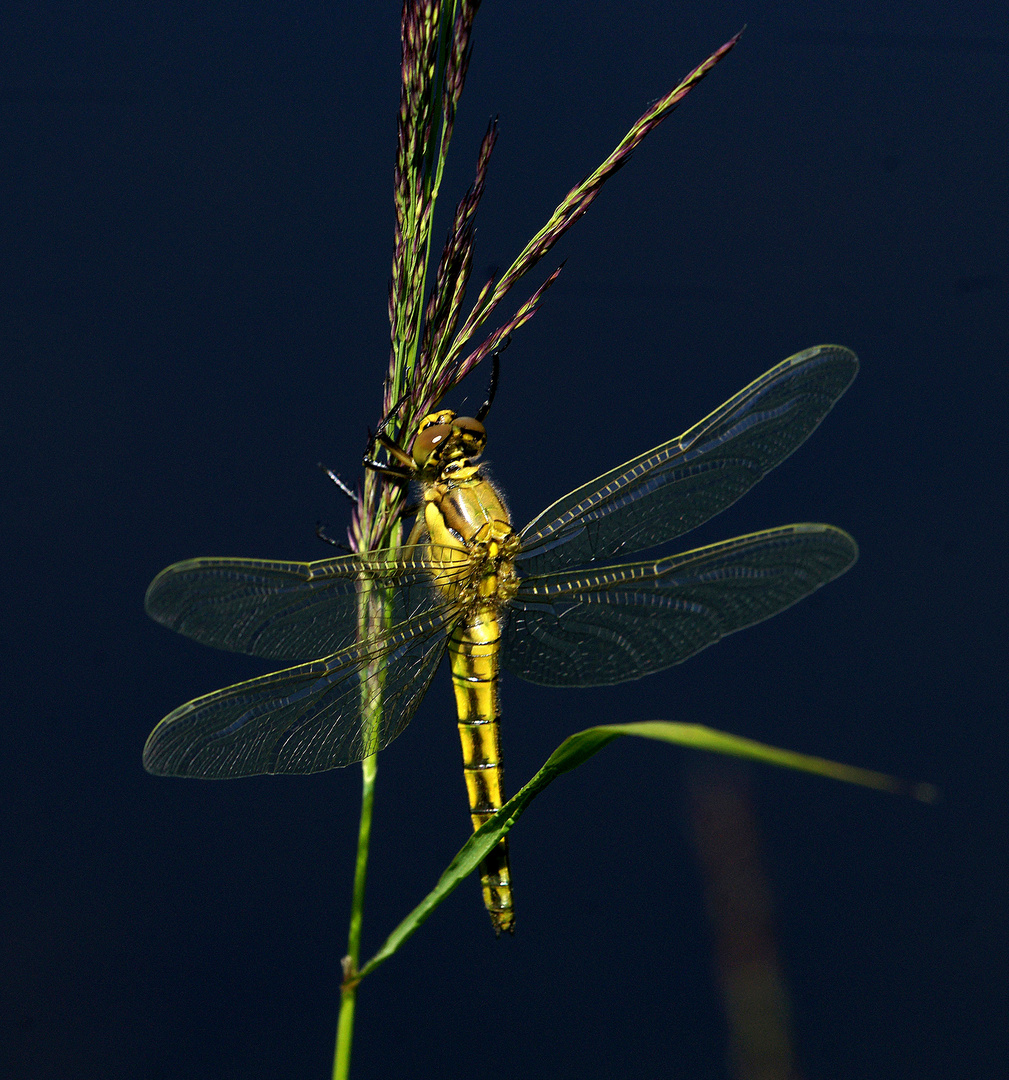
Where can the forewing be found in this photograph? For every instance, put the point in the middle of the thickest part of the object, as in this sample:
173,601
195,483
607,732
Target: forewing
307,718
608,625
680,484
289,610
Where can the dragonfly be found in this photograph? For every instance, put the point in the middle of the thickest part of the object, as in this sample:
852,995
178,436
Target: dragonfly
364,633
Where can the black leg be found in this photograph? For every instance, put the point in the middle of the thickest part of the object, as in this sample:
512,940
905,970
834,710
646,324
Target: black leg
390,472
383,424
339,483
495,371
402,466
320,532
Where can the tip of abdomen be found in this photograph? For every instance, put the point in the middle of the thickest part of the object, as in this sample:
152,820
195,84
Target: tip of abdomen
495,879
503,922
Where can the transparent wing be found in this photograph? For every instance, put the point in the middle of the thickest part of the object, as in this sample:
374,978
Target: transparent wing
308,718
609,625
680,484
292,610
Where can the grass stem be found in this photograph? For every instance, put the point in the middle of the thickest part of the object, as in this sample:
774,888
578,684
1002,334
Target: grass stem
348,991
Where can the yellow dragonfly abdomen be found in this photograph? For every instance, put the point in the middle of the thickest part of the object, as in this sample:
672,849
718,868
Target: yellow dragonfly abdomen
462,507
473,652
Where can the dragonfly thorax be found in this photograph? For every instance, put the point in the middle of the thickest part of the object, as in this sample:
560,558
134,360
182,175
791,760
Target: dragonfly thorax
461,505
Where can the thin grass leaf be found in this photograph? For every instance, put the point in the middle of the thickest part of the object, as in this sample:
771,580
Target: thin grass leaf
578,200
577,749
520,318
416,136
457,65
443,308
435,58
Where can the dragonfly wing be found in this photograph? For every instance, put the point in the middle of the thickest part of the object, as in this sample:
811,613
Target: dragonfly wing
307,718
611,624
684,482
288,610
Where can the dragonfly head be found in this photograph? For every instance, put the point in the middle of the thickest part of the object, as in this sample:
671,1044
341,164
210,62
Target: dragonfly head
445,437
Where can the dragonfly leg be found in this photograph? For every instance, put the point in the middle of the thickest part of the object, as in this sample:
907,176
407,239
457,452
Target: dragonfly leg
402,467
388,471
387,419
320,532
339,483
495,357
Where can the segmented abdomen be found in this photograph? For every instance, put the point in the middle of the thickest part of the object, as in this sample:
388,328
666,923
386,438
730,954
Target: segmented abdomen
473,651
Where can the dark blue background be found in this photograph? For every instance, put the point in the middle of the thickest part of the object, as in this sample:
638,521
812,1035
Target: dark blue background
196,242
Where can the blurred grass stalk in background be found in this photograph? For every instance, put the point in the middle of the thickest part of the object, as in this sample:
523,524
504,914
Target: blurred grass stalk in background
723,817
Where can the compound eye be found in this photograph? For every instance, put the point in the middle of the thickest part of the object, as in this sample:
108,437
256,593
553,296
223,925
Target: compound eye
444,416
428,441
474,434
470,426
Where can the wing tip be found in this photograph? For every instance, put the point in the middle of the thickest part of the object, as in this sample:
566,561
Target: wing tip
838,352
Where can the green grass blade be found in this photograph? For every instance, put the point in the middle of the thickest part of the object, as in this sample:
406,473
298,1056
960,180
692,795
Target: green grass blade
577,749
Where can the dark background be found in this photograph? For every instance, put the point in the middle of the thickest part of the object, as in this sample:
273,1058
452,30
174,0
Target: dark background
196,244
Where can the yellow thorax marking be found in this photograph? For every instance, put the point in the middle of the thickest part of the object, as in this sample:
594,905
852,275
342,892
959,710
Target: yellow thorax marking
443,416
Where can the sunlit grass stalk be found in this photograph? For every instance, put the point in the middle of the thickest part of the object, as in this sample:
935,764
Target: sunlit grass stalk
427,343
435,55
348,992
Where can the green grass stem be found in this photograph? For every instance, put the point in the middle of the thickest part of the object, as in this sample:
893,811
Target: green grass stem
348,991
